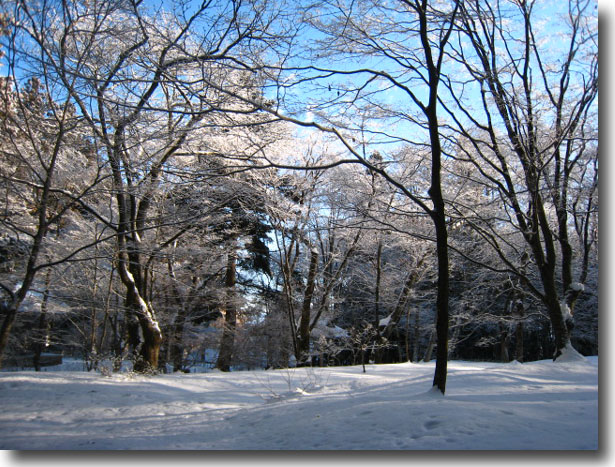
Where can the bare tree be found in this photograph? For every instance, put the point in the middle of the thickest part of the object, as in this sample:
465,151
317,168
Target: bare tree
313,233
413,72
141,80
532,138
44,146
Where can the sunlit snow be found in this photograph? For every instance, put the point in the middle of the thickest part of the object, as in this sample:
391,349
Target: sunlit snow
538,405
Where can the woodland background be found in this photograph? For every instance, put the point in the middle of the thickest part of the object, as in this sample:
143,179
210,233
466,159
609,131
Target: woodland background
264,184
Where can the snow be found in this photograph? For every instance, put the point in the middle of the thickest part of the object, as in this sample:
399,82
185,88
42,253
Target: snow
339,332
569,354
331,331
487,406
565,310
384,322
577,287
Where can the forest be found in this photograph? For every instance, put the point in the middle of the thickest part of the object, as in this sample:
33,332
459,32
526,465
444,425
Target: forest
251,184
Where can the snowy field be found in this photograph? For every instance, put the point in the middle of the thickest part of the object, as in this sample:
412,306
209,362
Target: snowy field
488,406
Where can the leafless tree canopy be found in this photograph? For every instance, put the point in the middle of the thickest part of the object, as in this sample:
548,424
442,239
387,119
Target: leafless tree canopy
266,183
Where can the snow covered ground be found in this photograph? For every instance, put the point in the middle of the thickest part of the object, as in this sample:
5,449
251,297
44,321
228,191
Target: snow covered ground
488,406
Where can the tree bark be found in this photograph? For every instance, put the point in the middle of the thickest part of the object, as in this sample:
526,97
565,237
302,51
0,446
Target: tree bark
377,285
417,335
397,312
504,342
437,213
430,345
519,316
442,299
225,355
304,325
149,335
43,325
175,340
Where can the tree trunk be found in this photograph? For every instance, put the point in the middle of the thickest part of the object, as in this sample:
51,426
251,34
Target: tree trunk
504,342
437,213
377,286
442,299
430,345
304,324
408,357
11,306
225,355
10,313
150,350
106,318
91,351
417,335
176,340
519,316
118,332
43,326
554,307
144,333
175,345
403,299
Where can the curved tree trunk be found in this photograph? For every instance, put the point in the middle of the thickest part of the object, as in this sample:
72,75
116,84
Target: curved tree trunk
144,334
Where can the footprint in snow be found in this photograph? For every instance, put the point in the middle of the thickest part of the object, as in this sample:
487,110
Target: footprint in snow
431,424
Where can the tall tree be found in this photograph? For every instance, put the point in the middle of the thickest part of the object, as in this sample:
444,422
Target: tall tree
43,145
407,64
532,137
314,243
244,221
141,79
